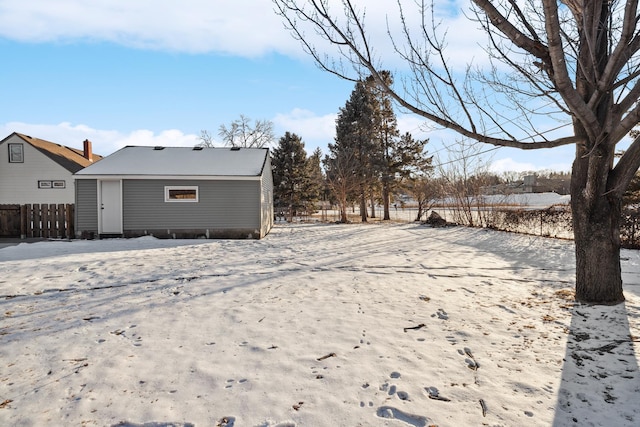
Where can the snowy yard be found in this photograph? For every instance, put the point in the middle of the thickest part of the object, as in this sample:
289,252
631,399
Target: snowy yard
315,325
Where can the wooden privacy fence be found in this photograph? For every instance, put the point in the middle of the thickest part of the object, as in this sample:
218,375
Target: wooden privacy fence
37,220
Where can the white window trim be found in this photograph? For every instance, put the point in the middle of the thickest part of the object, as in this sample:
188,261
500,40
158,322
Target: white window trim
167,189
12,159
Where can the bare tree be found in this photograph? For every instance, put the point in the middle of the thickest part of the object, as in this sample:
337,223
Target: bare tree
206,139
575,60
424,189
342,180
241,133
463,177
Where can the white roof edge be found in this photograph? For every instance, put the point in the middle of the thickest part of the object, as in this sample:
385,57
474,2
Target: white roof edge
136,162
174,177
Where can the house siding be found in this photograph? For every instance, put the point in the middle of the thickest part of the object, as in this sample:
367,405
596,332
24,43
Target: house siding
86,207
225,209
19,181
267,214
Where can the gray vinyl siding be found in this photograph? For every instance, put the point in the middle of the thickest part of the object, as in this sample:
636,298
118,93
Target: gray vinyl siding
86,205
267,199
221,205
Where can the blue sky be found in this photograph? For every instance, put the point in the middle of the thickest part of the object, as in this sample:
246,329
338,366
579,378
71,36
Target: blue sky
158,72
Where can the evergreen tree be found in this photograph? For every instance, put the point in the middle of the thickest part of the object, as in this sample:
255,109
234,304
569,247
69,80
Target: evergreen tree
410,158
385,134
414,170
316,184
292,180
354,145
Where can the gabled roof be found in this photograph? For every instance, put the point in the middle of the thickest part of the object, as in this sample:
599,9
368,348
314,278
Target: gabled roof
136,161
69,158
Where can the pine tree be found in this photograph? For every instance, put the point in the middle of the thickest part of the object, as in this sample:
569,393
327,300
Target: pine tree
385,133
316,188
291,176
410,158
353,148
415,172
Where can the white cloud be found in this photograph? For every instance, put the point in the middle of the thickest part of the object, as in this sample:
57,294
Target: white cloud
315,131
237,27
104,142
242,27
510,165
417,126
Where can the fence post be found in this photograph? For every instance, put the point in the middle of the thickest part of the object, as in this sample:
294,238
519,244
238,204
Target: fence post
60,221
37,220
70,218
30,220
44,221
23,221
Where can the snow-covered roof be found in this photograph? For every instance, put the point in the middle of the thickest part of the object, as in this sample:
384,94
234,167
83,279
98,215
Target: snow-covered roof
180,161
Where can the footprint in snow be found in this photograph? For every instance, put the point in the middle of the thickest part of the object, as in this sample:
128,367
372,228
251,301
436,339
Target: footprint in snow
434,394
392,413
231,381
226,422
471,364
403,395
441,314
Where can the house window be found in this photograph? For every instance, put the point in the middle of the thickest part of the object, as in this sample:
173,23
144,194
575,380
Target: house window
52,184
16,153
180,193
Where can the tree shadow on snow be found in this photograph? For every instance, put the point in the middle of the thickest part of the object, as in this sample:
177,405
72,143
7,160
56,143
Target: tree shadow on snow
600,379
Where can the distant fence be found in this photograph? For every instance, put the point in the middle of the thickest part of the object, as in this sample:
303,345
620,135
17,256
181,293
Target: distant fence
37,220
551,222
556,222
630,229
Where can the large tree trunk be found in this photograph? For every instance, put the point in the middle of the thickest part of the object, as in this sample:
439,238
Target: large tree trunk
596,207
596,214
597,245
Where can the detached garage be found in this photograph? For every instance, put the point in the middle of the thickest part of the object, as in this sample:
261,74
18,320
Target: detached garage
176,192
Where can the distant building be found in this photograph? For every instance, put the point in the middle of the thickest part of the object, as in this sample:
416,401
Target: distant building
529,184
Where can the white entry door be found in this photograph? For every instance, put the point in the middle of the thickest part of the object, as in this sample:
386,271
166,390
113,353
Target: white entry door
110,207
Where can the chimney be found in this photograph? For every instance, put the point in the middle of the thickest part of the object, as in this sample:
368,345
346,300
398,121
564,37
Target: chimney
87,150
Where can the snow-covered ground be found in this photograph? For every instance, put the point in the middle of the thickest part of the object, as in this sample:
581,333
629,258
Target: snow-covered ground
315,325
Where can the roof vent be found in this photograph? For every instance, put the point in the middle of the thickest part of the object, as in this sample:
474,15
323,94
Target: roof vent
158,148
235,148
197,148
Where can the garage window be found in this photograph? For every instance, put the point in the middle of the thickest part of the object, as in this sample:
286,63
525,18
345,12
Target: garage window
178,193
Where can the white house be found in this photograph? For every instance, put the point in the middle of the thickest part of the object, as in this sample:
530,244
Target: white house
34,171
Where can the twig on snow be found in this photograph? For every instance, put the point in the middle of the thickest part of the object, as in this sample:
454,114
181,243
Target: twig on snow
484,407
421,325
326,357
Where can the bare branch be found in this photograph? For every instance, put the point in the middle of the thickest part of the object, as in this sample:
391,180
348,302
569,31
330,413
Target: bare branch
241,133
